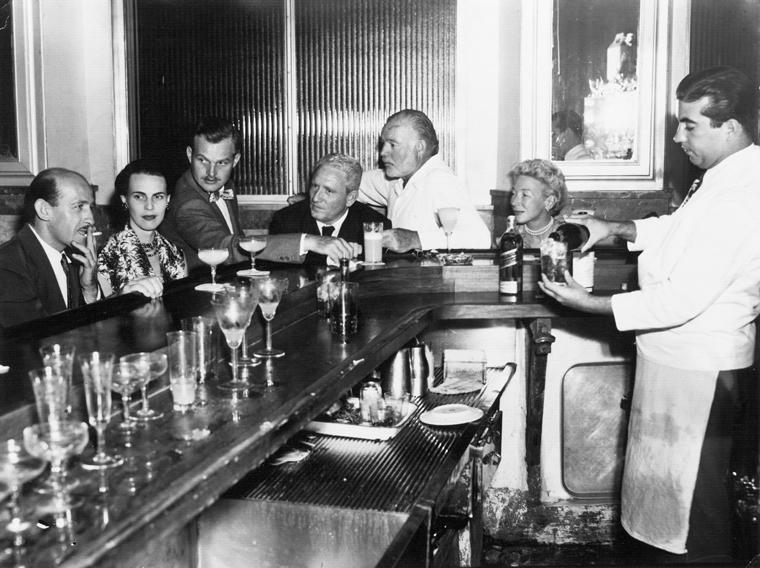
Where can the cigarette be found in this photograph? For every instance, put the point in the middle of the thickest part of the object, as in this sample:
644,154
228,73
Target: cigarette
97,233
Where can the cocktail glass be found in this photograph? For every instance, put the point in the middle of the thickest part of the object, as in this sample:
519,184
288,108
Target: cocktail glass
97,370
253,244
448,218
60,356
270,293
233,309
55,444
151,366
213,257
127,378
17,467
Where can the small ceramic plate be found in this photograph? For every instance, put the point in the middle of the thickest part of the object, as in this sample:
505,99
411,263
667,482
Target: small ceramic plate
209,287
451,415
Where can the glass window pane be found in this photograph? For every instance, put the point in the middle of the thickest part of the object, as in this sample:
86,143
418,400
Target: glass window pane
8,134
595,96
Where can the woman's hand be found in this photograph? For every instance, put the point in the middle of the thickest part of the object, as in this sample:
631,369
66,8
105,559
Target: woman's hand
150,286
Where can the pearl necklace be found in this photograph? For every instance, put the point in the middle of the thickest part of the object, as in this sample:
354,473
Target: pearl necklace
536,233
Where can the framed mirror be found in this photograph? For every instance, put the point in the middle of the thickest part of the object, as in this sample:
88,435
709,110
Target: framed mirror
594,87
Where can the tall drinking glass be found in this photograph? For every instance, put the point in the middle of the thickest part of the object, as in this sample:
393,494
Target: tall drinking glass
213,257
17,467
233,310
50,394
60,356
448,218
183,368
204,329
270,293
151,366
253,244
97,371
373,242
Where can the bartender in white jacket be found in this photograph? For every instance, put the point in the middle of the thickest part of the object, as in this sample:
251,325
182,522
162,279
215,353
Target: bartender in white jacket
699,278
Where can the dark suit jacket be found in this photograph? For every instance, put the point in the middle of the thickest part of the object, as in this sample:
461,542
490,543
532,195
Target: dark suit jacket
297,218
28,288
192,223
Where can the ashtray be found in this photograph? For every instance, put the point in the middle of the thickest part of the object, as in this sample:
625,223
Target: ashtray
455,259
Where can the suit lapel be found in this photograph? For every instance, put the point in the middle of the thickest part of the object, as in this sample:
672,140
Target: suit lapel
202,195
47,285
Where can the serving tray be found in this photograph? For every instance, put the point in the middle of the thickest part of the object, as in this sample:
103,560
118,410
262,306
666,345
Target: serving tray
361,431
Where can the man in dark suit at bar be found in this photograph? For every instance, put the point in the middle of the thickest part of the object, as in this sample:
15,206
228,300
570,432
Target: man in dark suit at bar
204,208
51,265
332,208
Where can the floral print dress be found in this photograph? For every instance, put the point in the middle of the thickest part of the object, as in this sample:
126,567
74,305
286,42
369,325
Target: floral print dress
123,259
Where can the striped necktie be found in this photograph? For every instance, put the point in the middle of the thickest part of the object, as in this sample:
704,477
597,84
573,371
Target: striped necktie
70,301
696,184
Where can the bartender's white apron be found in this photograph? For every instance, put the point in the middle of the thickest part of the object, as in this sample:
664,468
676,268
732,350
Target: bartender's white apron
669,414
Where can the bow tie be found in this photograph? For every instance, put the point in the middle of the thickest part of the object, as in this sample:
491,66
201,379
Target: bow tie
224,193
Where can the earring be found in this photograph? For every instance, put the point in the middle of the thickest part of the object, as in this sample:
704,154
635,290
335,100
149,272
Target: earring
124,205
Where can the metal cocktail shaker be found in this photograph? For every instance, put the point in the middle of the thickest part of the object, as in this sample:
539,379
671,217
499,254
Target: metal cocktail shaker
396,376
420,369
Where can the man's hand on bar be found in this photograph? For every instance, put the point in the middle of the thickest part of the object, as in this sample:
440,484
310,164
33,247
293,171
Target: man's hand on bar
575,296
401,240
334,248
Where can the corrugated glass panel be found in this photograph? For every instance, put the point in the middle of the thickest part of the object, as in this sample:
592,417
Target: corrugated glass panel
8,135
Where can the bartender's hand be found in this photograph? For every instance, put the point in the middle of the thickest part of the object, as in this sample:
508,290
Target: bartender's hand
334,248
599,229
575,296
401,240
150,286
88,265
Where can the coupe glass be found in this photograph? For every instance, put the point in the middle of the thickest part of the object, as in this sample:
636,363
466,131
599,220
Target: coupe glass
270,293
151,366
60,356
253,244
448,217
213,257
57,443
127,378
97,370
17,467
233,309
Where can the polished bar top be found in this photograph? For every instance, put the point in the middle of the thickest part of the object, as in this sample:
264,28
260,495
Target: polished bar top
180,465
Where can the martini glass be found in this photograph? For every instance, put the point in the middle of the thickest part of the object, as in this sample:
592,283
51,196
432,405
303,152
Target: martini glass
270,293
17,467
253,244
233,309
213,257
56,443
151,366
448,217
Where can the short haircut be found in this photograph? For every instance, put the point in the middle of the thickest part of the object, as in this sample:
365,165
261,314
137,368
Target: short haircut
349,165
215,129
731,94
139,166
547,173
421,124
45,186
565,119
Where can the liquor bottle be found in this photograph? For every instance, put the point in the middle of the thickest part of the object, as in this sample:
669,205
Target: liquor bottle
574,235
510,260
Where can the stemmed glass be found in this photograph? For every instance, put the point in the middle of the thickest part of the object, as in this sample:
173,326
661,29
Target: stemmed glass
126,379
17,467
60,356
270,292
253,244
56,443
233,309
213,257
448,217
97,370
150,366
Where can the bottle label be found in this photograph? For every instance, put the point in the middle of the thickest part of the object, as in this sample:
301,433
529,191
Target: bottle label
508,258
508,287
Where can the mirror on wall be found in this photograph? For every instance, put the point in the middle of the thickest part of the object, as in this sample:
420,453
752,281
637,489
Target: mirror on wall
595,78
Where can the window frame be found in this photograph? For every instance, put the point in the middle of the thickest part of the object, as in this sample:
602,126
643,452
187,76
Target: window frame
663,59
30,123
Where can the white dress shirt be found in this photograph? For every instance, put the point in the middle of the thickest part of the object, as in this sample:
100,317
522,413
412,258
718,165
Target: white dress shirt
54,256
699,273
413,206
338,223
222,205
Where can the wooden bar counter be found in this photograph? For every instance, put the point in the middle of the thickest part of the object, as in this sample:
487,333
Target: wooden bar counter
178,466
